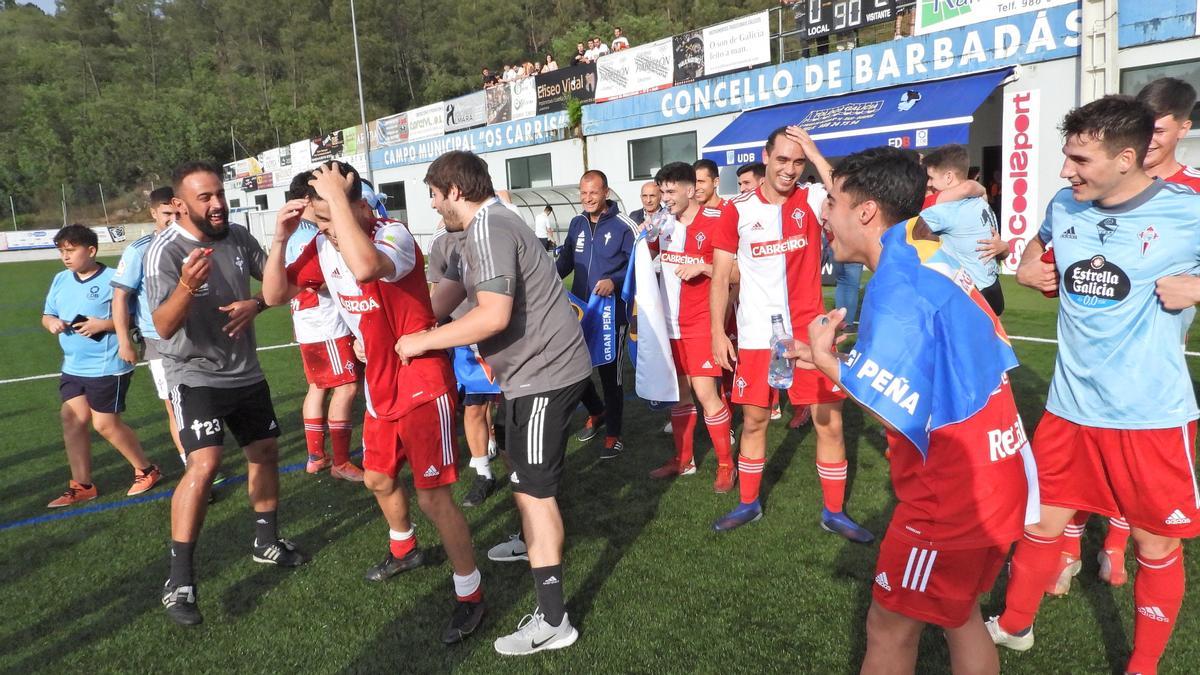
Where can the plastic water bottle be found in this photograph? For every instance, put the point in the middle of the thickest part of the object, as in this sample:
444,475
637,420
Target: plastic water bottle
779,375
656,223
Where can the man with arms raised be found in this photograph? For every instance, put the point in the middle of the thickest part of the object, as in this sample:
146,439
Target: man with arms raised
1120,424
529,334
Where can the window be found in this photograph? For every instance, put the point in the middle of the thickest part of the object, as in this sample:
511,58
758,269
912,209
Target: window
529,172
648,155
235,203
261,202
1133,79
394,200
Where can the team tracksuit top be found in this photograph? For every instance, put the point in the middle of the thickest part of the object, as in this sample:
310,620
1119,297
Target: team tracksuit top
596,252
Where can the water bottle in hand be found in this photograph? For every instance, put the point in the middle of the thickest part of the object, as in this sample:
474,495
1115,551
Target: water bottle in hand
1048,257
655,224
779,375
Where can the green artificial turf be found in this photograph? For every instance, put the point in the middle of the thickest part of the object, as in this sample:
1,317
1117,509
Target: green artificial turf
649,585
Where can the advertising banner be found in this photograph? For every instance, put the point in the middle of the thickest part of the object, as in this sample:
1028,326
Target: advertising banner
689,56
513,134
466,112
736,44
391,130
632,71
554,87
936,15
1020,215
327,147
524,98
499,104
427,122
29,239
301,159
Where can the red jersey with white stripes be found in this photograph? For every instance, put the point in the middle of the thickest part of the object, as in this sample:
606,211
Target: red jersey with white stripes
1186,175
691,244
778,249
315,317
378,313
971,490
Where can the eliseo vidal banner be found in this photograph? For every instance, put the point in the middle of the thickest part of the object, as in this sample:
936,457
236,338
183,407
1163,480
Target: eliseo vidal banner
554,87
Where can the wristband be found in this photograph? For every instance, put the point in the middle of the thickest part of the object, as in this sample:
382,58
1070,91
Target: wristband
191,291
262,305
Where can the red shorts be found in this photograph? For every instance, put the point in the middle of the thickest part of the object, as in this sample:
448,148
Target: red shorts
750,382
424,437
693,357
330,363
938,587
1147,475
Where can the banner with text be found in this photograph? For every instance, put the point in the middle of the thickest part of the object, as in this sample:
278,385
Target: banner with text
937,15
554,87
643,68
466,112
499,105
737,44
513,134
689,56
426,122
391,130
1020,214
524,98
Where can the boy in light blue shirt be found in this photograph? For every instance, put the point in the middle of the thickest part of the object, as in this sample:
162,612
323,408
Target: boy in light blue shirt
94,379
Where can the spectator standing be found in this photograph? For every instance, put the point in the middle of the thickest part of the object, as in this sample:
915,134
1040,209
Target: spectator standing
580,56
551,65
651,201
601,48
489,79
619,40
543,226
591,54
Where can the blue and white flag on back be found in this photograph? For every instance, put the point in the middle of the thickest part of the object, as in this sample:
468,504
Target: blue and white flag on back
472,372
650,344
930,351
598,319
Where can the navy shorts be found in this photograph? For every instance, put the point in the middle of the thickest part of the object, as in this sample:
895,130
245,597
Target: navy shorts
104,394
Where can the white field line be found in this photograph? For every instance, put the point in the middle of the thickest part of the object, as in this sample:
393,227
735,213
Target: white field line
140,364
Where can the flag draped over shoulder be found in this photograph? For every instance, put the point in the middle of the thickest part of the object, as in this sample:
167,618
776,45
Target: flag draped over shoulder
598,320
472,372
930,352
650,344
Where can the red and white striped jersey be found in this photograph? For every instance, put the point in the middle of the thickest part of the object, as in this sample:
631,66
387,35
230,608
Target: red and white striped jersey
378,313
778,249
690,244
315,317
1186,176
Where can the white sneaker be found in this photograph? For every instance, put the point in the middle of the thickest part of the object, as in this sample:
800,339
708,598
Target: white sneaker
1017,643
509,551
667,429
534,634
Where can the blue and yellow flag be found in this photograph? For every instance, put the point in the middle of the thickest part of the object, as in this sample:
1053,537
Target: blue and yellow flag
598,319
930,352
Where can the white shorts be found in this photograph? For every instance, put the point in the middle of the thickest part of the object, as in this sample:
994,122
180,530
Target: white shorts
159,375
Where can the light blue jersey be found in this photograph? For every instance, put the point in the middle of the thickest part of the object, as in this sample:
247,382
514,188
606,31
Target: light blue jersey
1120,358
960,225
129,277
71,297
305,232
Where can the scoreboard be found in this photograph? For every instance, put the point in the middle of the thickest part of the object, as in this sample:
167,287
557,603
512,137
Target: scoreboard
825,17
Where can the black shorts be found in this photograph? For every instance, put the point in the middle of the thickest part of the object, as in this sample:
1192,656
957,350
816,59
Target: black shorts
476,399
104,394
546,243
994,295
203,413
535,429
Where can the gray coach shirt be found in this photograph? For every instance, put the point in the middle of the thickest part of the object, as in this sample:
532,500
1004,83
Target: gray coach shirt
542,348
200,354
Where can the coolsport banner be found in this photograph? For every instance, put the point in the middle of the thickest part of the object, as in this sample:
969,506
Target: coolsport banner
466,112
650,344
598,320
472,372
554,87
633,71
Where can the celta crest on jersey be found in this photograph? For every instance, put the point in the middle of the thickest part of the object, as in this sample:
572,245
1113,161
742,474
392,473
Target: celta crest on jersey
1106,228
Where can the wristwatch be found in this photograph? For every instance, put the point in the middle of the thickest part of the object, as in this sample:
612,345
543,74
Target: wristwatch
262,305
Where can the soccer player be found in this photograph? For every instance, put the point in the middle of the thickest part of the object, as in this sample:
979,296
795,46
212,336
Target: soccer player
596,249
651,197
751,176
530,336
127,285
94,378
776,238
685,253
967,226
376,271
477,425
957,442
1120,423
327,352
198,286
1171,100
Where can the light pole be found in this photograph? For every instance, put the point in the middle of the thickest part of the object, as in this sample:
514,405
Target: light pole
362,108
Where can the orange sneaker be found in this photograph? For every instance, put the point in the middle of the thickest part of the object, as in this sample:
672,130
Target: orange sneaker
726,476
143,481
1112,567
347,471
672,469
75,494
1068,567
317,463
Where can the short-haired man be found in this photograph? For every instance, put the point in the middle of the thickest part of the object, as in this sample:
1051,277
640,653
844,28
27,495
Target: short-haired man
580,56
543,225
776,237
1120,424
651,198
376,270
592,52
128,284
596,250
965,226
530,336
198,285
601,47
327,353
94,378
619,40
961,494
685,252
751,176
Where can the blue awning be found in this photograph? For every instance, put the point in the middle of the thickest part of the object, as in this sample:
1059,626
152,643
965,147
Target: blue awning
918,116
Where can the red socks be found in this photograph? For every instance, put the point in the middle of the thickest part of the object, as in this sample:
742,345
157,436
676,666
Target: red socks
683,428
750,477
1074,533
1157,596
314,436
1034,565
402,543
1118,535
718,430
339,435
468,588
833,484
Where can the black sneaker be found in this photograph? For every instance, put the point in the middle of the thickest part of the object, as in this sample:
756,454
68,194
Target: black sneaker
590,428
180,603
466,618
612,448
391,565
479,492
281,552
